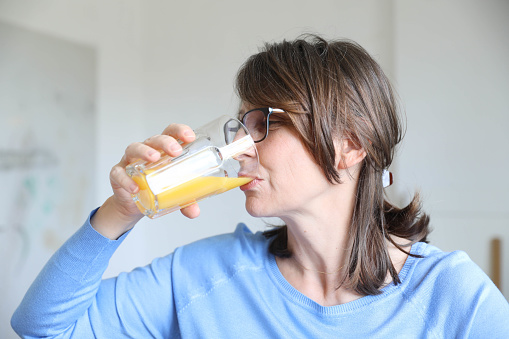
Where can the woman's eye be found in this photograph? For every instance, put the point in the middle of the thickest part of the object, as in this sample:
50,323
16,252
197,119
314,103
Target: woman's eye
260,126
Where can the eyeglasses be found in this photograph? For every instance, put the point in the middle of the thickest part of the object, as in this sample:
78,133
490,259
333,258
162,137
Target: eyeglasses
257,122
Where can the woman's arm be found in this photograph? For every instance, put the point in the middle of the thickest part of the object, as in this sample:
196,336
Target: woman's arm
68,298
66,287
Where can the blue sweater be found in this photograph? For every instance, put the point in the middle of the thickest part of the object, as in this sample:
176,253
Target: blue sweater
229,286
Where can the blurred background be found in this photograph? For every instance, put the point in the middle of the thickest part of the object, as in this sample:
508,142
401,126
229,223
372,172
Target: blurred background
80,80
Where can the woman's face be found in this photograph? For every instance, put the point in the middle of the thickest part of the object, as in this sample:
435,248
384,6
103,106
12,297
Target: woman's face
289,182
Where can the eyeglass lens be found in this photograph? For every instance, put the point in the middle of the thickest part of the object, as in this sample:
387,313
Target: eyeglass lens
256,123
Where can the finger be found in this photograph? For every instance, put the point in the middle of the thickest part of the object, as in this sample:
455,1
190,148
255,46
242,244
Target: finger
120,179
140,151
166,143
191,211
180,131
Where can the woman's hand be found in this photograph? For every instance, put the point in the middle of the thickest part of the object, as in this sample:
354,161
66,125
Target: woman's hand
119,213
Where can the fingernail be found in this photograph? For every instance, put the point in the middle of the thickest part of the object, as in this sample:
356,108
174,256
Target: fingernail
175,147
133,188
188,133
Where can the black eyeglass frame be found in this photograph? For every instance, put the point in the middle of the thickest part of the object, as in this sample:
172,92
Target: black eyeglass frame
267,111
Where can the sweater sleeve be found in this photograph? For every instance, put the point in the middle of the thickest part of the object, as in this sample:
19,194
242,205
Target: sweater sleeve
68,299
487,312
456,298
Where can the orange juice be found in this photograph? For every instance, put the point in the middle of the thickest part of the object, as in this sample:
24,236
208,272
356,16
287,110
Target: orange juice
184,194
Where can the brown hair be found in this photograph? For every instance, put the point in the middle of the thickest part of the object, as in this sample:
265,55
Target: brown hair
334,90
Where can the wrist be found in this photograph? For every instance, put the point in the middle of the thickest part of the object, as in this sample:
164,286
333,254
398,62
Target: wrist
111,219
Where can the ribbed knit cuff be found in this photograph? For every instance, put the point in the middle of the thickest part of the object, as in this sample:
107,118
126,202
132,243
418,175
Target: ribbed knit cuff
87,252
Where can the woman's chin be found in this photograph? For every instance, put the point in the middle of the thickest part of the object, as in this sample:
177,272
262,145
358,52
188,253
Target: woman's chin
254,213
255,210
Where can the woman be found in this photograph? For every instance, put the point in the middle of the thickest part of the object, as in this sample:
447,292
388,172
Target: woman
347,263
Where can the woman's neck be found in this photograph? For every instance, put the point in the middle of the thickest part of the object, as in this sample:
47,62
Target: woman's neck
321,245
318,233
318,238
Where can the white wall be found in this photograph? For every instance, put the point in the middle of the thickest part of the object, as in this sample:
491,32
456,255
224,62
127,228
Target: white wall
453,77
47,153
161,62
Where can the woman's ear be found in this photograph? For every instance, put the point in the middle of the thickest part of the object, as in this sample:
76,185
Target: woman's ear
350,154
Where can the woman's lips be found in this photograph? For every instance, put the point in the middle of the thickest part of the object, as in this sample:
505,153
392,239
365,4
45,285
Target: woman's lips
250,184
